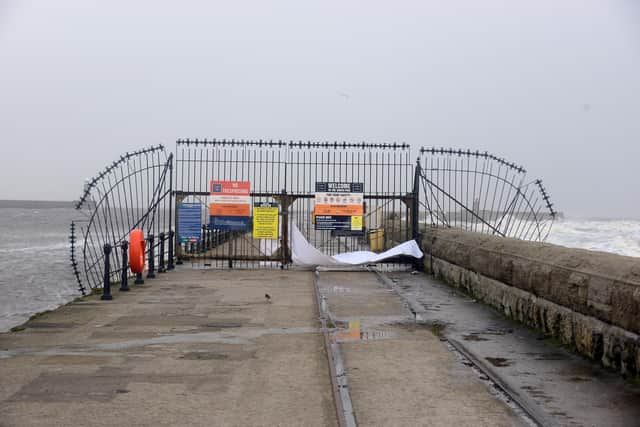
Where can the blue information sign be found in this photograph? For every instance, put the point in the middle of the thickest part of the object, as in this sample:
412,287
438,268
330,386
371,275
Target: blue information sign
233,223
189,222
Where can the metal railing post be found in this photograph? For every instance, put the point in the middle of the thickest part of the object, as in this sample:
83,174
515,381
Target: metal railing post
170,265
124,277
139,280
151,273
415,214
106,285
161,268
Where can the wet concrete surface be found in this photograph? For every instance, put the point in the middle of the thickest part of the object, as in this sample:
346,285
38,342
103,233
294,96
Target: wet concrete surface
191,347
561,387
398,371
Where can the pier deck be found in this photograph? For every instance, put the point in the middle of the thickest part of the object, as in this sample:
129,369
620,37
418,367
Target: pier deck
204,347
191,347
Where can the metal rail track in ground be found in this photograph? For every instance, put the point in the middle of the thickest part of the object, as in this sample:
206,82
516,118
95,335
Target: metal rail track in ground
527,409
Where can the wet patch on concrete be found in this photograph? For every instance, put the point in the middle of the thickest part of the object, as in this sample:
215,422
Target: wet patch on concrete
578,379
435,327
160,320
74,360
226,324
70,387
335,289
549,378
498,331
204,355
218,355
498,362
116,334
49,325
473,337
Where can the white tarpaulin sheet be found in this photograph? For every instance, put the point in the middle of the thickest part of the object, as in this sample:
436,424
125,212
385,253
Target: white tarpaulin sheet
305,255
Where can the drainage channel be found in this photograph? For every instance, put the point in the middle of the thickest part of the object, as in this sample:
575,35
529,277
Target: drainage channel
339,385
524,409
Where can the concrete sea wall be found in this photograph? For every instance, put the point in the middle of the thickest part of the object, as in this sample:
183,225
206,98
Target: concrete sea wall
587,300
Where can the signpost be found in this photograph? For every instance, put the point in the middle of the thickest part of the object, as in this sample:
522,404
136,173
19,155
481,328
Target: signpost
339,207
230,207
265,221
189,222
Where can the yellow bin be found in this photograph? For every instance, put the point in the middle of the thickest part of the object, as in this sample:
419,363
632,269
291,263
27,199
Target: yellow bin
376,239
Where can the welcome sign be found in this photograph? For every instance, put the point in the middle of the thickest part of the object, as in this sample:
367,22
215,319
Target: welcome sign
339,206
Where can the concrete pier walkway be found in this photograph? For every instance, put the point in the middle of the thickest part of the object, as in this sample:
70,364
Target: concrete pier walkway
205,347
191,347
398,370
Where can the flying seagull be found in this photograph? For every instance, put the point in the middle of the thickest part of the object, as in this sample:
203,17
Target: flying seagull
344,95
267,297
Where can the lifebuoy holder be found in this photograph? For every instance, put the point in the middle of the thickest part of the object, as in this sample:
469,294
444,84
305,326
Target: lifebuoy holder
137,247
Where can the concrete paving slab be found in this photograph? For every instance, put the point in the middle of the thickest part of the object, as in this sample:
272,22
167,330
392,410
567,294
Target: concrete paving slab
399,372
192,347
562,387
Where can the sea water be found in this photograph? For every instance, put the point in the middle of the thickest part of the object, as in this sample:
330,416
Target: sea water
35,271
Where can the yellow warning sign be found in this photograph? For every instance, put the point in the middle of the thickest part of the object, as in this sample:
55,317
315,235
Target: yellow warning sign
265,221
356,223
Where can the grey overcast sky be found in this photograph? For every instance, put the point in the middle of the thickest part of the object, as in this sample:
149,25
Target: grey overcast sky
553,85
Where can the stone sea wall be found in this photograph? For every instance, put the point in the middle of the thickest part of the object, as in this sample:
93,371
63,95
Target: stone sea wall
585,299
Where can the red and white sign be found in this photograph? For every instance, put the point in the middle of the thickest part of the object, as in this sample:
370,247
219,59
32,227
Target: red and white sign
230,198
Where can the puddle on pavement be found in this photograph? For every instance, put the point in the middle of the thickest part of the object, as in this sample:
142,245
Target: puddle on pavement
354,332
336,289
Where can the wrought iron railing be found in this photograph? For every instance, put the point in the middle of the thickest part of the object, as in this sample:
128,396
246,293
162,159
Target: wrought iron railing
132,192
480,192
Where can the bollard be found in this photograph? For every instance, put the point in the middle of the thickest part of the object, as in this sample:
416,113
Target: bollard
124,278
170,265
139,279
161,268
203,241
151,273
106,286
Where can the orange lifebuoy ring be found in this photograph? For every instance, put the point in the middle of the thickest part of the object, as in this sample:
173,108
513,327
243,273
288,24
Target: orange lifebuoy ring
137,246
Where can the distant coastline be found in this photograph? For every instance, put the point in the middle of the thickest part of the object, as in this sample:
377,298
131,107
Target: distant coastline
36,204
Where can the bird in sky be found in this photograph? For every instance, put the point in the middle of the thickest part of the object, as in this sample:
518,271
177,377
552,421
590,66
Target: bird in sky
344,95
267,297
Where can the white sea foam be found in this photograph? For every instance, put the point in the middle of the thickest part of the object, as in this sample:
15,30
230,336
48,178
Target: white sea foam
617,236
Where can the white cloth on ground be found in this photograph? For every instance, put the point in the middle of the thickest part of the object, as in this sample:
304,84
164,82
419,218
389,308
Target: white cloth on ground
305,254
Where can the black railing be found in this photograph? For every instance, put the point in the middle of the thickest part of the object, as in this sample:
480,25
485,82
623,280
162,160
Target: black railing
465,189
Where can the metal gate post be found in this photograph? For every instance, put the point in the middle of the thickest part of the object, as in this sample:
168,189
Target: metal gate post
151,271
124,276
171,207
285,202
415,209
106,284
177,245
285,228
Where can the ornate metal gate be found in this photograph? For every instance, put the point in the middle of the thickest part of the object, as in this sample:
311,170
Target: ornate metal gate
133,191
396,198
285,174
479,192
